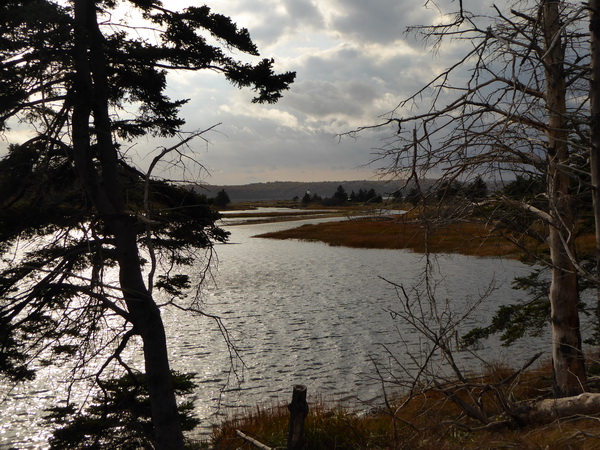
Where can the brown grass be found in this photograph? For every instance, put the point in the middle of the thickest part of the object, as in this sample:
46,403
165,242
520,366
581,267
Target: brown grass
467,238
427,421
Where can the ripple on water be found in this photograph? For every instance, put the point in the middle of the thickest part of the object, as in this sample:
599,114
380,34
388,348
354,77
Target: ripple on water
300,313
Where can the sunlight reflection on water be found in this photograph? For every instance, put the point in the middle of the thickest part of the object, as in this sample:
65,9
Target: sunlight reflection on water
313,314
299,313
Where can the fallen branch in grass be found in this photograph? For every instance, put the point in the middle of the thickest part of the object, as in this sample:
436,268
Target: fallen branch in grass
252,441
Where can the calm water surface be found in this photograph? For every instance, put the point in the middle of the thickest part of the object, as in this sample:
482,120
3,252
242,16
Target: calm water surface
298,313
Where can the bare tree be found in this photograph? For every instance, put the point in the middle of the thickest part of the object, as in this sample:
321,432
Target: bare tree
485,400
515,103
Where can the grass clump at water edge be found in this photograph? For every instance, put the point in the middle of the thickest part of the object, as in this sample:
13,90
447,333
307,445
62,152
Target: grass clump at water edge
428,419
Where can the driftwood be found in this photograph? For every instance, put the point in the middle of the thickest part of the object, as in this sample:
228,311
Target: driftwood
252,441
468,397
549,410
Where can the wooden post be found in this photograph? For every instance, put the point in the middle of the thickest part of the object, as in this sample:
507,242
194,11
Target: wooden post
298,412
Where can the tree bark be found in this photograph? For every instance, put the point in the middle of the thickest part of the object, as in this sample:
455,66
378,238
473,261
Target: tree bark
594,6
104,188
568,361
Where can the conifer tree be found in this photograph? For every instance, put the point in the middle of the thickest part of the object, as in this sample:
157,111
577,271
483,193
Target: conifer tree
106,237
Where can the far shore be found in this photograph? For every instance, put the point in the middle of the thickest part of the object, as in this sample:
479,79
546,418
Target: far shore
468,238
364,228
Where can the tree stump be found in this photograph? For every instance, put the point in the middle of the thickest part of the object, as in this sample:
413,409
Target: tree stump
298,412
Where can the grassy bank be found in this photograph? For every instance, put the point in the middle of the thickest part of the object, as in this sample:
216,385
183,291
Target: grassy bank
468,238
427,420
465,237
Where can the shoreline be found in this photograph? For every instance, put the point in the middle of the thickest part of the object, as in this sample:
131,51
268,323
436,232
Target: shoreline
467,238
369,228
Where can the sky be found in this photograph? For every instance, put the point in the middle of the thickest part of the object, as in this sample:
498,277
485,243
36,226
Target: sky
354,63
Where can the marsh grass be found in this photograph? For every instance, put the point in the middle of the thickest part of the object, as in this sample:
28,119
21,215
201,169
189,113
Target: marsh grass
464,237
326,427
468,238
427,420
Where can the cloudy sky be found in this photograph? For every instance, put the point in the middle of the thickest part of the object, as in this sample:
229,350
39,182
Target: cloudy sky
354,63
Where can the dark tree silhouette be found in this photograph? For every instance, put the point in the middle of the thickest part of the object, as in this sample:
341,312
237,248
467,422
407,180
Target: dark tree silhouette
476,189
340,195
222,198
86,85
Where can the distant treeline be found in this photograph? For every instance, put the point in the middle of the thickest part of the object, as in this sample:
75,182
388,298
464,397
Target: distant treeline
341,196
362,191
287,190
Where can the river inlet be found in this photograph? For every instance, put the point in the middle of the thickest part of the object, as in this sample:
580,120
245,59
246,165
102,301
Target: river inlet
298,313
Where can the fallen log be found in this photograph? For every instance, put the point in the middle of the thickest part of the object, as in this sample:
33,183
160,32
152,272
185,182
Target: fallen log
549,410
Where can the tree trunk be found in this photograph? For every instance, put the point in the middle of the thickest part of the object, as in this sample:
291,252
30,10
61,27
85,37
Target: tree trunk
564,294
298,411
147,322
594,6
105,190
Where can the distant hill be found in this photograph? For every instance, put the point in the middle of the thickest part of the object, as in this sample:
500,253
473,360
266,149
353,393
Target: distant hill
287,190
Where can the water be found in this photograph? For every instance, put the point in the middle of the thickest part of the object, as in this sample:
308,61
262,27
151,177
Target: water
307,313
299,313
